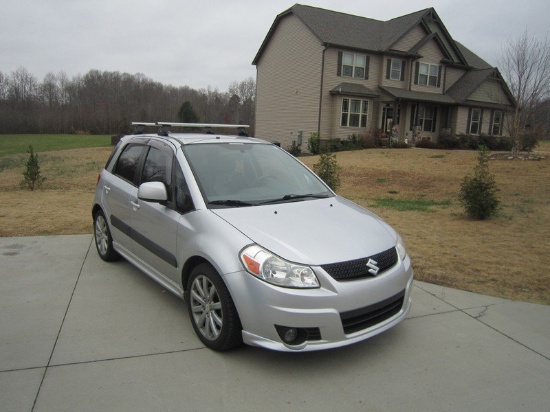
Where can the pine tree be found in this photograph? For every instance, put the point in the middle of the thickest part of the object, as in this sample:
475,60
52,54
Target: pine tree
478,192
31,176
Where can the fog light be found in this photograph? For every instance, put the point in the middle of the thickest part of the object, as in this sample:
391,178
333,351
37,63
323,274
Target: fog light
290,335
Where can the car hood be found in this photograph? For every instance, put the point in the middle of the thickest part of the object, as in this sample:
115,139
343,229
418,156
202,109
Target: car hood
313,232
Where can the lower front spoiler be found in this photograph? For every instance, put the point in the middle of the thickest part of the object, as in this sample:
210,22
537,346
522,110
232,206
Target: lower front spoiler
308,346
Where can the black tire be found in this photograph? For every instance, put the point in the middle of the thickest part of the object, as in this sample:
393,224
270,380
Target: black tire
211,309
103,238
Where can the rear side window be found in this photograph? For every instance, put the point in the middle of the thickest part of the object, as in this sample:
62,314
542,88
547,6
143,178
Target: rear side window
128,162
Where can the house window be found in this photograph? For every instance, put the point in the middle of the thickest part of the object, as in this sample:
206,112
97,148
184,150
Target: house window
496,124
428,74
354,113
354,65
474,126
396,69
426,118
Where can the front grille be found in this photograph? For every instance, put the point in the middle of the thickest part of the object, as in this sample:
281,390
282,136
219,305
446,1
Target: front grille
355,269
359,319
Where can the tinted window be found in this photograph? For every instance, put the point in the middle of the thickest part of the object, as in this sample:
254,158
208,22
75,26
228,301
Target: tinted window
156,167
128,162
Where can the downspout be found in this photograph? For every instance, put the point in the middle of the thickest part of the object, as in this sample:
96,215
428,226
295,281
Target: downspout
321,91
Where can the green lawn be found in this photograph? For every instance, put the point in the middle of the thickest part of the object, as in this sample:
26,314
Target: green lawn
19,143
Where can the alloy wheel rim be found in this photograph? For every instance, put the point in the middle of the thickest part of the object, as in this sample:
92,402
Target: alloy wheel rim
101,237
206,308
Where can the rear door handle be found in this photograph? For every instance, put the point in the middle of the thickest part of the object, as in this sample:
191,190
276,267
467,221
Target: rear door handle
107,189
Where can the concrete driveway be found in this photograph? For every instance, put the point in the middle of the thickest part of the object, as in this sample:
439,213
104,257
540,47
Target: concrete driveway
79,334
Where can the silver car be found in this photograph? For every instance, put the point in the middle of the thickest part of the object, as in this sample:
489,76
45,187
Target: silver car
260,249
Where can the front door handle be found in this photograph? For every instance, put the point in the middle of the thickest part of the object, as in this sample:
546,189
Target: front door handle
135,205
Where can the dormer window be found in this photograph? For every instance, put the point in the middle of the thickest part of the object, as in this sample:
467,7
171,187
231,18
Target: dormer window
428,74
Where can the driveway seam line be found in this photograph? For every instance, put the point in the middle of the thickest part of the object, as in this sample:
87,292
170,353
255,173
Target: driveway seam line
478,318
61,326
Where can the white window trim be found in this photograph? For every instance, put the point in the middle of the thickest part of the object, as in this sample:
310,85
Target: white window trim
363,112
428,76
478,122
392,70
497,123
354,65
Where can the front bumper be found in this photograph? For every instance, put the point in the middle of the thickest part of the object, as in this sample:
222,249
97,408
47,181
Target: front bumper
343,312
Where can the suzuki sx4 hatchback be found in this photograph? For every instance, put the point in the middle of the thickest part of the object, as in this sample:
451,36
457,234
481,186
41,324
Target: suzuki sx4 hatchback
260,249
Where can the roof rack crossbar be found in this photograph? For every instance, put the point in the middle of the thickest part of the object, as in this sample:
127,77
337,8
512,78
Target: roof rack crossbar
139,127
205,125
165,127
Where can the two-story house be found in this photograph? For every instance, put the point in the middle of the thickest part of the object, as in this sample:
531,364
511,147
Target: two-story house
338,74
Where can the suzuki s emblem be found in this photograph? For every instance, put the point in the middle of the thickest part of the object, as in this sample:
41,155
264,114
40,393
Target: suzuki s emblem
373,269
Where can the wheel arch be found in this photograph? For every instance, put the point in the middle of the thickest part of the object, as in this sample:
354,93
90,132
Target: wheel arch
188,267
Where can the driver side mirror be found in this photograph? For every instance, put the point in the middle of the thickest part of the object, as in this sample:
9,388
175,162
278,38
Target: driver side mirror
153,192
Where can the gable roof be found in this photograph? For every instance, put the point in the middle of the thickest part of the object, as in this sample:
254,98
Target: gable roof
472,80
349,31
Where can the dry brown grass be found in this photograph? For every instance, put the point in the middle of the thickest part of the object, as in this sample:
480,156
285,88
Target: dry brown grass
505,256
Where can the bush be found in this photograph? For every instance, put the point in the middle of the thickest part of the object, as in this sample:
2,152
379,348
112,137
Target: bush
31,176
529,141
478,192
328,170
314,143
294,149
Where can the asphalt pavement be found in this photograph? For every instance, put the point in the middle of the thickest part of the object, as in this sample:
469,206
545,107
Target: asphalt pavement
78,334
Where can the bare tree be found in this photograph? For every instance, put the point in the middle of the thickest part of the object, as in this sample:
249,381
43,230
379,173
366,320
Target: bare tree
526,66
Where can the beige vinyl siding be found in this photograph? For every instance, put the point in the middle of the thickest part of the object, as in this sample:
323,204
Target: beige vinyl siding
288,84
432,55
332,104
490,91
410,40
434,27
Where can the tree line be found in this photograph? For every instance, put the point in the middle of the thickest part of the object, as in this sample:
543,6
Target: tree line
102,102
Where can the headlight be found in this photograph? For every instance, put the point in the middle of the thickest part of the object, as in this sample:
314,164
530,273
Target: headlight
400,246
266,266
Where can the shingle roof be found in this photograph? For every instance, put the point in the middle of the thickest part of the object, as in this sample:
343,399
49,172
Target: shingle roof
353,89
362,33
469,82
411,95
471,58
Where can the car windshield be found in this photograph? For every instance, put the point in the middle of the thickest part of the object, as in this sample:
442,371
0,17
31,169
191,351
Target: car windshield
250,174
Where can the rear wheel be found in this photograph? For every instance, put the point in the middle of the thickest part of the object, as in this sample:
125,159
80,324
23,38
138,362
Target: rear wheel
103,238
211,309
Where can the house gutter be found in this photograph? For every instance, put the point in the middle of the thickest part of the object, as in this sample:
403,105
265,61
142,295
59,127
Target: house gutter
321,90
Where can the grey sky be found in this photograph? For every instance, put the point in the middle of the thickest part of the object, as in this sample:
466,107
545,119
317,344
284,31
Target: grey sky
213,42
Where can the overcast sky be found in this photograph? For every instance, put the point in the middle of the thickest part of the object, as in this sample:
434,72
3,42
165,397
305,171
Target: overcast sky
213,42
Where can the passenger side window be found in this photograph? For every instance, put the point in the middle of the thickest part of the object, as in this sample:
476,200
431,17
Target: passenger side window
128,162
156,166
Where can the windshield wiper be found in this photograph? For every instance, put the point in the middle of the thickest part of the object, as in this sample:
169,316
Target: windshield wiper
293,197
230,203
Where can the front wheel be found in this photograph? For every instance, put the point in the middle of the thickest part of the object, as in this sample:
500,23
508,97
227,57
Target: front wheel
103,238
211,309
